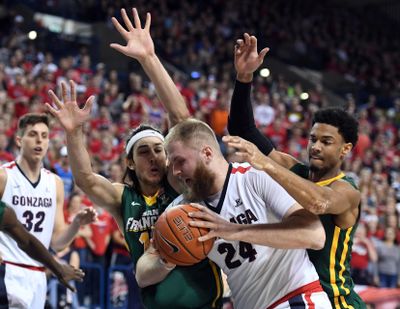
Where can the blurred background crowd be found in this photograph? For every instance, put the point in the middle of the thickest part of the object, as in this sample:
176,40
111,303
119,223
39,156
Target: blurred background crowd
334,53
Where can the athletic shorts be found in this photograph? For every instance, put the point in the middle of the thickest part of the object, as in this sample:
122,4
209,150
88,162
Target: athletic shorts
310,296
21,287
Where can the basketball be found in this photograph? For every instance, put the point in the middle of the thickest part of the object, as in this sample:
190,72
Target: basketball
178,242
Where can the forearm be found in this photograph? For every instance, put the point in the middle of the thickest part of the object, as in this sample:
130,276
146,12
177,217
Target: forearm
149,270
309,195
63,238
293,233
241,119
79,159
98,188
38,252
166,89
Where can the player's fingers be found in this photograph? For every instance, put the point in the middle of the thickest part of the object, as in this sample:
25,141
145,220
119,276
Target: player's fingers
64,92
253,41
198,206
127,21
51,109
120,48
56,100
148,22
69,286
73,90
198,214
88,104
206,237
136,19
202,224
263,53
246,37
119,28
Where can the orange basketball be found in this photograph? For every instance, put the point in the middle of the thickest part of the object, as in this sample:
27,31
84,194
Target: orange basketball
178,242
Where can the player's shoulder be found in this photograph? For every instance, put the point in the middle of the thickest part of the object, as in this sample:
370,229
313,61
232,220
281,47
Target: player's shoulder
241,168
9,165
48,172
246,172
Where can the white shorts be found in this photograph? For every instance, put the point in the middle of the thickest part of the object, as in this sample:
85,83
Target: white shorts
22,287
310,296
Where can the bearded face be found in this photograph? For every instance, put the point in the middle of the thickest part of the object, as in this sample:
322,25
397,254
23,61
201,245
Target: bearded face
201,183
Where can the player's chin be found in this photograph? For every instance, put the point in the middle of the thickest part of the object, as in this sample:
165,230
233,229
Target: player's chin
155,178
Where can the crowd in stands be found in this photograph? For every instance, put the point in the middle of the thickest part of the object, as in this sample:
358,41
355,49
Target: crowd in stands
198,35
27,73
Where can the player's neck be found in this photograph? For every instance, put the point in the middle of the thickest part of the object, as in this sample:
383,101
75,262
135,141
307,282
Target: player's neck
317,176
31,169
221,167
149,190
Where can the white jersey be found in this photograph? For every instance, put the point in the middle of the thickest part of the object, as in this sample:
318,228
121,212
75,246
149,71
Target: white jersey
258,276
35,206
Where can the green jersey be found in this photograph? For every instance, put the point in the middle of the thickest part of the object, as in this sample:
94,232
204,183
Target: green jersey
333,261
197,286
2,208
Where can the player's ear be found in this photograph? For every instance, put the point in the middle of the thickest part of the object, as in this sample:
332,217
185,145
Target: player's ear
18,141
130,164
207,152
346,150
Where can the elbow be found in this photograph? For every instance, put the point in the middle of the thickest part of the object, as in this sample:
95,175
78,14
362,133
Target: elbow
318,206
57,247
85,181
142,283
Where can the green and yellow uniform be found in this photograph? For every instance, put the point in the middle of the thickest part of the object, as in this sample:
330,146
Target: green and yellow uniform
333,261
197,286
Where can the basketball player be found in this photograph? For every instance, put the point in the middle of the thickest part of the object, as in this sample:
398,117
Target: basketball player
278,274
137,203
37,196
321,187
10,225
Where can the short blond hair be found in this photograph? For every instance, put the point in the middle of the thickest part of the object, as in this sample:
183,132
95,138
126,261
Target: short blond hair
193,132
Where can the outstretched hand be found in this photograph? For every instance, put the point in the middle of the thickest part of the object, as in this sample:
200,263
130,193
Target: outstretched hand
139,43
68,273
246,151
67,111
247,59
218,226
86,216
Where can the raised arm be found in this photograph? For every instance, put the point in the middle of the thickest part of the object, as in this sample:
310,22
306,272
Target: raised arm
140,46
72,118
34,248
241,118
299,229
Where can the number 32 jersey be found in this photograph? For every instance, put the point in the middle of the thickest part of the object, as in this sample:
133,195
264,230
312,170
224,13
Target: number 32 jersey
35,207
258,276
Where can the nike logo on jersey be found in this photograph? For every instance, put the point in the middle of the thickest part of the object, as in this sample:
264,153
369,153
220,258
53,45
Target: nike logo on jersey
174,248
238,202
135,204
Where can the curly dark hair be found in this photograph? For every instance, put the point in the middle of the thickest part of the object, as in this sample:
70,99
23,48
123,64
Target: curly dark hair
346,124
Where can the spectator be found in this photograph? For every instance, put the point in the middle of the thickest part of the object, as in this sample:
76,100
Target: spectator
364,258
388,260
